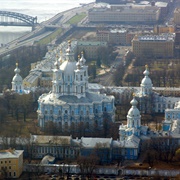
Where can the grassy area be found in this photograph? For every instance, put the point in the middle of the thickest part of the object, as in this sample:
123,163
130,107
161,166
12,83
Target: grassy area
12,127
51,37
77,18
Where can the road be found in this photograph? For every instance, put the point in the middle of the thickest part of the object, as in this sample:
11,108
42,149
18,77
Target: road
57,21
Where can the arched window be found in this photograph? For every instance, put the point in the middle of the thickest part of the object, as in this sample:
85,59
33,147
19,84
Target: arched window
68,78
81,113
105,109
81,77
59,112
68,89
87,125
81,89
84,73
66,125
96,111
76,89
66,111
76,77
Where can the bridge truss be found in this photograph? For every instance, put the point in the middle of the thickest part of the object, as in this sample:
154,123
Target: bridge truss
16,19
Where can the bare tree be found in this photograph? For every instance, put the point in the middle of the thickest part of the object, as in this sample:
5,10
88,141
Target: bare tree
87,164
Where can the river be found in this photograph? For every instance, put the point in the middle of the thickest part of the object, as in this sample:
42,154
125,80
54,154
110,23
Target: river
43,9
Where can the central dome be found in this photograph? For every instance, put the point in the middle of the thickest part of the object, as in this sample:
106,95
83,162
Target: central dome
68,67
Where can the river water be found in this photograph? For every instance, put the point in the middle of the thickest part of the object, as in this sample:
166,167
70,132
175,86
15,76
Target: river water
43,9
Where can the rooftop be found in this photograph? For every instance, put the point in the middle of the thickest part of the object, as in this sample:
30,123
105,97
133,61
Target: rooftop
10,153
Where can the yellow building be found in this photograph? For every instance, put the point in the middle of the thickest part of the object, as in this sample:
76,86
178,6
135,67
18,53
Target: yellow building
164,29
177,16
159,46
11,163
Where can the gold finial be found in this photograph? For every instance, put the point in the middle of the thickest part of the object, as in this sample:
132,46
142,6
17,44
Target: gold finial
79,56
146,66
134,94
82,52
69,41
17,64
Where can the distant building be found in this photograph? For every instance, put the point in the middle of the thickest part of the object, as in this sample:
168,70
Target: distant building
160,46
124,14
11,163
90,48
159,29
177,16
113,36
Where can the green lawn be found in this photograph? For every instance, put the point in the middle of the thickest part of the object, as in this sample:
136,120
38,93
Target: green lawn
50,37
77,18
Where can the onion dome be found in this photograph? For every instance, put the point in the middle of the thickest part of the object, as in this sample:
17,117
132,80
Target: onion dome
17,70
146,80
69,53
68,50
82,60
56,64
17,78
78,64
134,111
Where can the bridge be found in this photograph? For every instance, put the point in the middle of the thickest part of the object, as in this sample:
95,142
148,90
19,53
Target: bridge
16,19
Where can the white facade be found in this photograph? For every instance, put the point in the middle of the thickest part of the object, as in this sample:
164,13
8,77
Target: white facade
71,102
17,81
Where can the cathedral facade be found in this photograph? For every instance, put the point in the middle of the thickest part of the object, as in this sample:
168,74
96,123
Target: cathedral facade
71,102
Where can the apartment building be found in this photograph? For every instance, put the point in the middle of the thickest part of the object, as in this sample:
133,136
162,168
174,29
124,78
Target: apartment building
90,48
113,36
11,163
125,14
160,46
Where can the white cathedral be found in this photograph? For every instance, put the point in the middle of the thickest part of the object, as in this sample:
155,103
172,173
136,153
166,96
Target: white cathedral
71,102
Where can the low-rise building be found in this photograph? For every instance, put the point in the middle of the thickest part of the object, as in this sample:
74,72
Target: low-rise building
11,163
